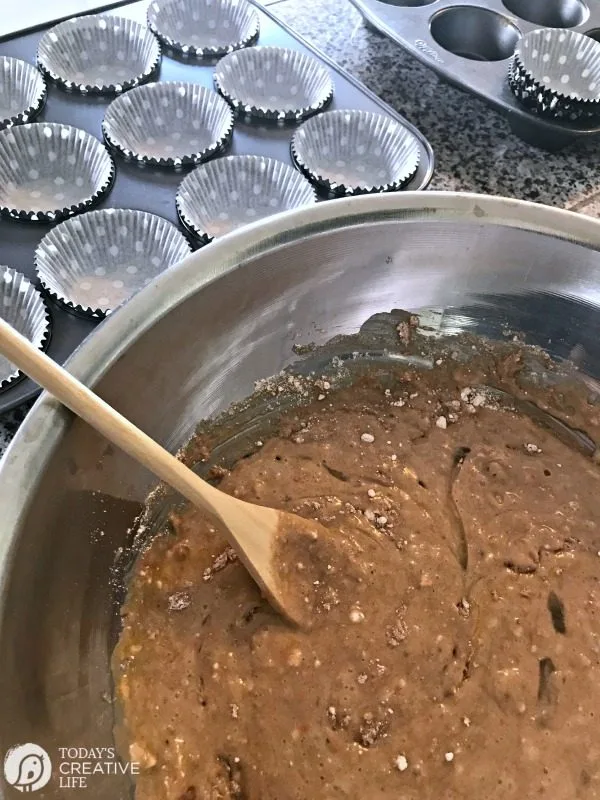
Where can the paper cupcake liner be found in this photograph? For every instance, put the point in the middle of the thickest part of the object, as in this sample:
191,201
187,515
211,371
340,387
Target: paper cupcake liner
22,306
204,28
230,192
168,124
273,83
95,262
22,92
355,152
557,73
98,54
49,171
544,102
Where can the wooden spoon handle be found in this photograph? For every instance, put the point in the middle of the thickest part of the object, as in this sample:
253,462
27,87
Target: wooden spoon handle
116,428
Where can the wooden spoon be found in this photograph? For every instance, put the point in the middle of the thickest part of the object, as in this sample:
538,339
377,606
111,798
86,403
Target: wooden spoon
255,532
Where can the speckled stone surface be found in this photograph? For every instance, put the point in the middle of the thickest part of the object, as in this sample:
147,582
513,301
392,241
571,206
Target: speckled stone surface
474,147
9,424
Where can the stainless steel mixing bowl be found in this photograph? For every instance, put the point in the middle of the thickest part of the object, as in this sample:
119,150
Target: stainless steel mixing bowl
197,339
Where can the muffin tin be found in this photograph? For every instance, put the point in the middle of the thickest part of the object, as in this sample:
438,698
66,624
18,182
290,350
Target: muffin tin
150,187
471,45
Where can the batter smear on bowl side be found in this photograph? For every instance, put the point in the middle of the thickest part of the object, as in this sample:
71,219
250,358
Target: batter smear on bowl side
454,647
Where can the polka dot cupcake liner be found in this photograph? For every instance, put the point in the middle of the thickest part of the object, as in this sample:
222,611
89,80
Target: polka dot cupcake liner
168,124
22,306
233,191
274,83
556,73
355,152
204,28
49,171
22,92
97,54
95,262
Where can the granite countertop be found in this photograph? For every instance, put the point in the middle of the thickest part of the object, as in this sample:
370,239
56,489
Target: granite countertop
474,147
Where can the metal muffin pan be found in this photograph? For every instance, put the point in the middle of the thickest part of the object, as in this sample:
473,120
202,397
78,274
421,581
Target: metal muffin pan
153,189
471,44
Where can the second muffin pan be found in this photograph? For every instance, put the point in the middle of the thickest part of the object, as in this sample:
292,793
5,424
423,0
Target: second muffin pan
472,44
153,151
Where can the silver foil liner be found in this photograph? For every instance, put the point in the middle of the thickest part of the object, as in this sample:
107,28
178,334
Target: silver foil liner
22,92
95,262
99,54
49,171
204,28
233,191
22,306
556,73
274,83
347,152
168,124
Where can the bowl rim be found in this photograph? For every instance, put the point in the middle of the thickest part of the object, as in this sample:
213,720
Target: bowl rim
26,458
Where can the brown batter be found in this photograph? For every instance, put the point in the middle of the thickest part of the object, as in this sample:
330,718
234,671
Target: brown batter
455,651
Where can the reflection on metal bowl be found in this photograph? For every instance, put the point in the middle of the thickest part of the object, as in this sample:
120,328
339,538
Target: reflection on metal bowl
194,341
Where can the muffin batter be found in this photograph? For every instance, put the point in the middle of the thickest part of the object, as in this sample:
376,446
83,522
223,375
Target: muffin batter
454,652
